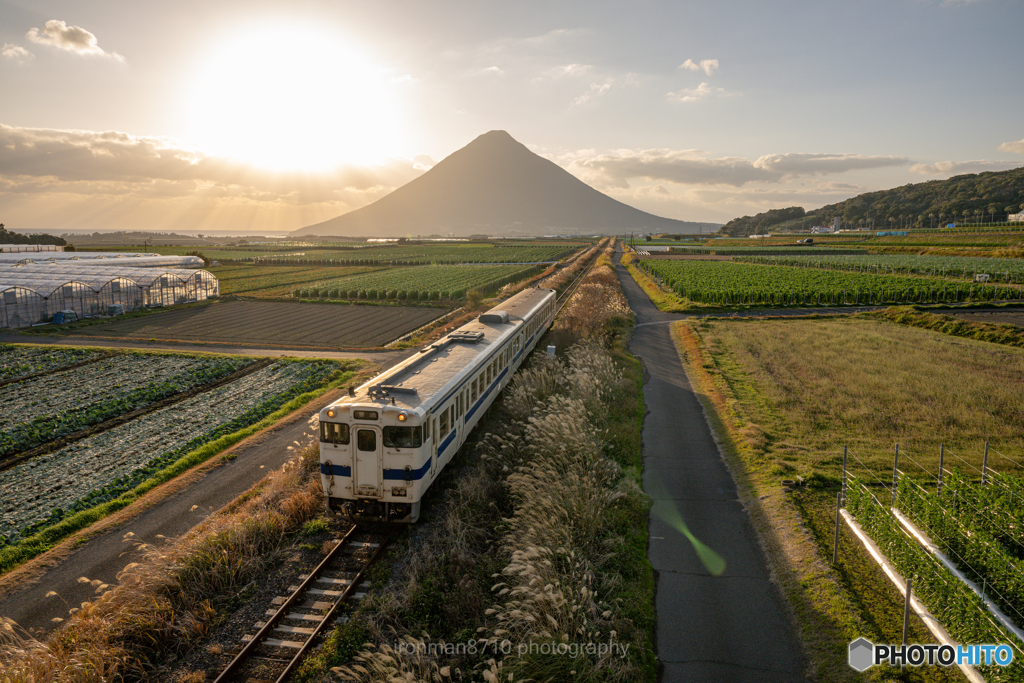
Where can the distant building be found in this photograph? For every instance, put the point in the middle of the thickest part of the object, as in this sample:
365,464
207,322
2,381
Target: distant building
821,230
1016,217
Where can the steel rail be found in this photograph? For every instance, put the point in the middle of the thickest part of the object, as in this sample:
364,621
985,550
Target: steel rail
278,616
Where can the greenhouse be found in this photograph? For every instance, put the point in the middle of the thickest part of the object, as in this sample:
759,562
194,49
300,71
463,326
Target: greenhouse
102,259
32,293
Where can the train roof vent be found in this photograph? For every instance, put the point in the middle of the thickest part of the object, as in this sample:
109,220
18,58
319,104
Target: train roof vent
467,337
500,317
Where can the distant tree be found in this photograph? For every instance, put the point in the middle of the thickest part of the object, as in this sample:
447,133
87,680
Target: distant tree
1012,208
991,213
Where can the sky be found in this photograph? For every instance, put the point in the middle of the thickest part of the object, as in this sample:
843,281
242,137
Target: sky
265,116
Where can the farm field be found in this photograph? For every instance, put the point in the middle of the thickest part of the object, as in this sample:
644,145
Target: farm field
1005,270
792,393
20,361
768,285
447,253
417,283
50,406
266,282
808,387
116,460
289,324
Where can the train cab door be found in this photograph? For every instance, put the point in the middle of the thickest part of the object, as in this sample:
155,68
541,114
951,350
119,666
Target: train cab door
366,477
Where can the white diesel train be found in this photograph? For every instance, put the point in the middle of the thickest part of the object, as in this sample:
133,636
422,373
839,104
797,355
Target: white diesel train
382,446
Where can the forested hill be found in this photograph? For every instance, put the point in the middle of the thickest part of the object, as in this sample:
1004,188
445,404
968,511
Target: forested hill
984,196
7,237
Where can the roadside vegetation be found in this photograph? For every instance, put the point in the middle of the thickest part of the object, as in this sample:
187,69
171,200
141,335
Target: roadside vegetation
786,396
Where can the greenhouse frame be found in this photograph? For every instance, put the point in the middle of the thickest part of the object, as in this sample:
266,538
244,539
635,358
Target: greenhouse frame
30,294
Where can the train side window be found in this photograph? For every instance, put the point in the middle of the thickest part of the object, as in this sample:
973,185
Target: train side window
332,432
472,390
443,429
402,437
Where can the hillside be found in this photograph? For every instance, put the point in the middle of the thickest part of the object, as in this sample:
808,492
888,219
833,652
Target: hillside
496,186
920,205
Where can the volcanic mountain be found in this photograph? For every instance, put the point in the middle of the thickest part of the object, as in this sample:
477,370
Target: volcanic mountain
496,186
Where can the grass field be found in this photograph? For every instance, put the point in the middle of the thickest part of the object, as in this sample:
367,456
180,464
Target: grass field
809,387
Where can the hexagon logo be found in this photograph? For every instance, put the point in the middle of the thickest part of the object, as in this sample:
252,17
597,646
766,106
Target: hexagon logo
861,654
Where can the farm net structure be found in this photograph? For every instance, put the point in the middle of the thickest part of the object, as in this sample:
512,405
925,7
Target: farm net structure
33,290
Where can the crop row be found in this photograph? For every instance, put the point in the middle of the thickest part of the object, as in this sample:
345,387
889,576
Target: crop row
728,283
956,607
418,283
767,250
19,361
984,542
959,267
276,281
53,405
420,255
41,491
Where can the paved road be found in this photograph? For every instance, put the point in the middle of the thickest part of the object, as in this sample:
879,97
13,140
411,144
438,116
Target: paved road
105,555
726,627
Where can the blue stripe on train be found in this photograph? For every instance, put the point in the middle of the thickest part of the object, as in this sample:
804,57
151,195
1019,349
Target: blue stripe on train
344,471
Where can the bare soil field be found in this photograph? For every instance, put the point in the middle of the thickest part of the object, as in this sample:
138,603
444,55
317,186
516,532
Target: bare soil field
999,317
273,323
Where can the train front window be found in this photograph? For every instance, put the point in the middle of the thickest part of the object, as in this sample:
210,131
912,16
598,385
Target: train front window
403,437
332,432
366,440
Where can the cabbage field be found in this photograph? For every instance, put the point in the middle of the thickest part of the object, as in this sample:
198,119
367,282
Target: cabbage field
20,361
50,406
40,491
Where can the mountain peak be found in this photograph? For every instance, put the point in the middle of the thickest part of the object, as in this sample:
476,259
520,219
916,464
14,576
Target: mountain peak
493,185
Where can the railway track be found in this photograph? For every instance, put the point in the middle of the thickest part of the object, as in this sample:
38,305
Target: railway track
294,622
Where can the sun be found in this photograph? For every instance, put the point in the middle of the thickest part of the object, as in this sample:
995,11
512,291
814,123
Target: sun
293,98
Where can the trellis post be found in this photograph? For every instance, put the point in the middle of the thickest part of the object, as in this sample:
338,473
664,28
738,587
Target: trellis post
895,470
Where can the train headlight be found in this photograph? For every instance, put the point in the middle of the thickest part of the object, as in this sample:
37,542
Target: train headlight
398,491
330,413
402,417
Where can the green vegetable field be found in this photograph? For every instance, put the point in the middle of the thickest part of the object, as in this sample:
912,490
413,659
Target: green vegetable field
1003,270
417,283
730,283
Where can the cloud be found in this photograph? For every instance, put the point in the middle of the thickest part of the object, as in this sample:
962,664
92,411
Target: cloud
951,168
491,71
1012,147
15,53
596,90
821,164
34,160
701,92
685,167
74,39
708,66
694,167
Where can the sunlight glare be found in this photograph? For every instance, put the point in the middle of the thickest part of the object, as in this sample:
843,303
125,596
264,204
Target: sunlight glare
293,99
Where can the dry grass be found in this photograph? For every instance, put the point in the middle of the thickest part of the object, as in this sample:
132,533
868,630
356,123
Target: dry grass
807,387
162,604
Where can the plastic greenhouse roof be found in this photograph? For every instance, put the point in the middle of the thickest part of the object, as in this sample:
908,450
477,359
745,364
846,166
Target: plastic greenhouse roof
103,259
45,278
